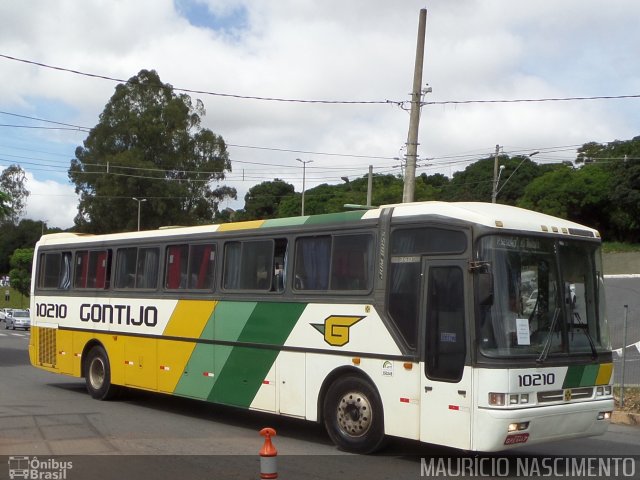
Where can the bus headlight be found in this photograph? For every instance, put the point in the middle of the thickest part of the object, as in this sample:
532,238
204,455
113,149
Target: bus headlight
500,399
603,390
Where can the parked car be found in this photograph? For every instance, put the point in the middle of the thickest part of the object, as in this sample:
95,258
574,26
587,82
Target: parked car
4,312
17,319
530,303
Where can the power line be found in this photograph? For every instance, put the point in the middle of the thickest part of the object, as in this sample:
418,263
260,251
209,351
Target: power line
78,127
331,102
36,127
204,92
311,152
531,100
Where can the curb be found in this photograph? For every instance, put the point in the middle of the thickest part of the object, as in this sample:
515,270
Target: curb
626,418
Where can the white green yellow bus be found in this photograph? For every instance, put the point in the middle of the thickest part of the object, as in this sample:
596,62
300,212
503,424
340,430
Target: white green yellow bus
470,325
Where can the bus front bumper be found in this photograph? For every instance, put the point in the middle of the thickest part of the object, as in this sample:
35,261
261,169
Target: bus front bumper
501,429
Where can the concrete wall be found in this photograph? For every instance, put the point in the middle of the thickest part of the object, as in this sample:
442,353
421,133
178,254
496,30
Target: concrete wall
621,263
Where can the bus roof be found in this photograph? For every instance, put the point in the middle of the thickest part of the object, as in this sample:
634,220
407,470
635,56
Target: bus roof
487,214
495,215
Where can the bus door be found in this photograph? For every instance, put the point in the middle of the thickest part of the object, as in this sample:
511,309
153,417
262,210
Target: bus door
445,414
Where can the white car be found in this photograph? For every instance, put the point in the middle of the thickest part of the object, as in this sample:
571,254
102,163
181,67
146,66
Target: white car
3,313
530,303
17,319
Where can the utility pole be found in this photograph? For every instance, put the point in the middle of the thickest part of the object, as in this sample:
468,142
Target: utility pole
494,193
414,117
370,186
304,167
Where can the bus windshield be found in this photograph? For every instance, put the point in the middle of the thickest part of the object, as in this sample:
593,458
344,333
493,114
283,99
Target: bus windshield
548,298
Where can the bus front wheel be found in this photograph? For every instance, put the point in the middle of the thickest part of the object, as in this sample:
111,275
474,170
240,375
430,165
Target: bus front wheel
353,416
98,375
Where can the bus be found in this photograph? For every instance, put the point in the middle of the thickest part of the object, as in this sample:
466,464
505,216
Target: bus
476,326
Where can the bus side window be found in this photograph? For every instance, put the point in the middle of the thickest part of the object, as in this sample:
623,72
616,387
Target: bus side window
279,265
176,267
201,266
91,269
147,268
350,262
313,257
56,270
248,265
82,267
126,268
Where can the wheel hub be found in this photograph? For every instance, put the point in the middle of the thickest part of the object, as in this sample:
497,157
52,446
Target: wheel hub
96,373
354,414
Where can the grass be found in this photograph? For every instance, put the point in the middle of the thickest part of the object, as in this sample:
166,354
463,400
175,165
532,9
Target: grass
619,247
16,300
631,399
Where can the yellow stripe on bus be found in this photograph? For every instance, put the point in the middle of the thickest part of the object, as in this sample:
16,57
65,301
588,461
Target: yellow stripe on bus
189,318
226,227
604,374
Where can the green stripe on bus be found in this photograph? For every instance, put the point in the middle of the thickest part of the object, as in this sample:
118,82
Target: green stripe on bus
195,382
581,376
589,375
573,377
245,368
202,370
284,222
335,217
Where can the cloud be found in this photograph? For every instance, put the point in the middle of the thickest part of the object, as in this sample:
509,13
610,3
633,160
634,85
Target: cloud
53,203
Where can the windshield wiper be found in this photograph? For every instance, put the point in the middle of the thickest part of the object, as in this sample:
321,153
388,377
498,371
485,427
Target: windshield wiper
547,343
585,328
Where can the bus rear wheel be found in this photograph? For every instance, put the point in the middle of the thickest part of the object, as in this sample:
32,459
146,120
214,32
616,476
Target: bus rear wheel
353,415
98,375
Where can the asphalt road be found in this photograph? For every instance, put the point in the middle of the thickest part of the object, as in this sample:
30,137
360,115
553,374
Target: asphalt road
50,417
621,291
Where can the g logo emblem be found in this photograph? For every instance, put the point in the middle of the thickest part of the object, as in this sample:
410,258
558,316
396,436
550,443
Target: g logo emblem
336,328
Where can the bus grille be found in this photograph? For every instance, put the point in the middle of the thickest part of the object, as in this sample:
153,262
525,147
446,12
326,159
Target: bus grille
558,395
47,346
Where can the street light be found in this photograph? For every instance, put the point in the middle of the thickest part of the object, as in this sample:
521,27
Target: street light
139,202
512,173
304,167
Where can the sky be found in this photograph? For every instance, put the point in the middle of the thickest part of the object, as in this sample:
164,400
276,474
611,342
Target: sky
358,53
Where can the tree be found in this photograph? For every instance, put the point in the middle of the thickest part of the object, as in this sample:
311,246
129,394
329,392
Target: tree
23,235
149,144
262,200
580,195
20,273
12,182
5,209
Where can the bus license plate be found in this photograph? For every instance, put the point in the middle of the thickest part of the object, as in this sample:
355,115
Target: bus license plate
518,438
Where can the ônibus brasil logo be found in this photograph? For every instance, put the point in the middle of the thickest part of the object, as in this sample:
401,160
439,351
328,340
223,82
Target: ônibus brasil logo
32,468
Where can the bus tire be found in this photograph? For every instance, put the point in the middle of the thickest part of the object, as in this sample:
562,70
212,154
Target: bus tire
353,415
98,375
